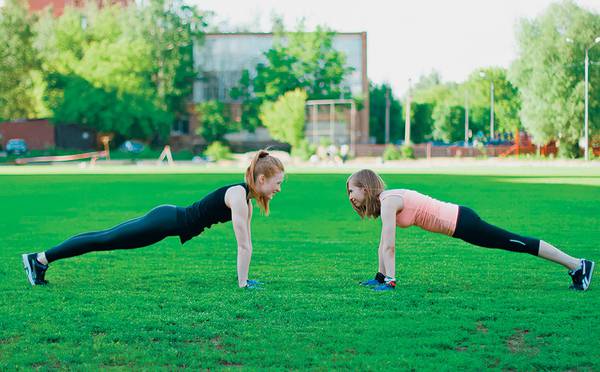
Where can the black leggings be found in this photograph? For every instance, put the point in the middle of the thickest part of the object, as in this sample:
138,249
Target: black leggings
153,227
472,229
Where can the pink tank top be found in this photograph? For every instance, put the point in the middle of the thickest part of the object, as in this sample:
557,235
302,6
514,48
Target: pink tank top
426,212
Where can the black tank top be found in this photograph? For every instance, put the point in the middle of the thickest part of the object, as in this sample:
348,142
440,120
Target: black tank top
206,212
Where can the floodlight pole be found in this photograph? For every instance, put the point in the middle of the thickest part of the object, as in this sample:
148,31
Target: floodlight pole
586,129
466,119
387,114
492,109
407,116
586,150
483,75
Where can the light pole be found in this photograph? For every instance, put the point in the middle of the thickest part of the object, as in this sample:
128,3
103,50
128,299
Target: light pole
586,130
387,113
407,116
466,119
483,75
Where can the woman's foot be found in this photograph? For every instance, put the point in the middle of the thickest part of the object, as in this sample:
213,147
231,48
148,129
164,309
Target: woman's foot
582,276
35,271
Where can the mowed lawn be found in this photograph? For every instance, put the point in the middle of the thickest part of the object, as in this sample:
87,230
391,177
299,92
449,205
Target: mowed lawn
170,306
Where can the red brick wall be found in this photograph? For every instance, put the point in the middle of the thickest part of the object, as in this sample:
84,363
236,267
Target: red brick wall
58,6
39,134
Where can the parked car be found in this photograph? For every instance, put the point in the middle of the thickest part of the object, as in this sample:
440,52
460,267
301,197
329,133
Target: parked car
132,146
16,146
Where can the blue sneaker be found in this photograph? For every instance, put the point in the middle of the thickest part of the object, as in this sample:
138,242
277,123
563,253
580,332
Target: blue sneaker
379,279
390,283
253,284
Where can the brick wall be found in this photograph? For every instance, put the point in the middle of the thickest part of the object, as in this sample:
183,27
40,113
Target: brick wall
39,134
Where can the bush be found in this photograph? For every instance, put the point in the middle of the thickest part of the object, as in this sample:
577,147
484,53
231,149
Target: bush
304,150
285,117
391,152
218,151
407,152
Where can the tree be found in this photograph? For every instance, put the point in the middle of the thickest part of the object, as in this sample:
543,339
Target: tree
428,93
549,74
442,107
172,28
285,117
421,122
99,72
20,80
121,69
300,59
507,102
377,108
448,121
215,123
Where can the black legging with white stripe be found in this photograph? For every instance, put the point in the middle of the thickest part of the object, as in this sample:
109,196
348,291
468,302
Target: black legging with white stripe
472,229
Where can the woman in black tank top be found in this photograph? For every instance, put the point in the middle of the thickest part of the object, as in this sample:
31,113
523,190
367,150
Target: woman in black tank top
228,203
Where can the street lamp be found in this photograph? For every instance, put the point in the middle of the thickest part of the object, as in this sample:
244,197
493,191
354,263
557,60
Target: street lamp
586,87
407,116
483,75
466,119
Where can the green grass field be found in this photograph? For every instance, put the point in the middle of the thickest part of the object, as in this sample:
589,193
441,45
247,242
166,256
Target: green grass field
170,306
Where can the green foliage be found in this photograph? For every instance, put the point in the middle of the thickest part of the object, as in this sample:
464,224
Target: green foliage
214,120
285,118
377,108
122,69
439,109
550,75
131,114
392,152
297,60
429,109
449,122
421,122
407,152
19,65
172,28
218,151
304,150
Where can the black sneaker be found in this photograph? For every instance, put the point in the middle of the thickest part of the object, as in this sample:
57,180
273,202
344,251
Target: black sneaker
582,276
35,270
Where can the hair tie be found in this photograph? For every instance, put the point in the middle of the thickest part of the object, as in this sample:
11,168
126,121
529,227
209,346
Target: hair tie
262,154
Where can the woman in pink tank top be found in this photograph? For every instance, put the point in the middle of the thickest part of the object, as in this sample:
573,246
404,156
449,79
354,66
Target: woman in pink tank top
405,208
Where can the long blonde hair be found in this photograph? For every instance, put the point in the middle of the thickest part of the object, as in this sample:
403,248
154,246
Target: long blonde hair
373,185
268,165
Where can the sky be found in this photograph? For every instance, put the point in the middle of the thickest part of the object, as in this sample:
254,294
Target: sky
405,39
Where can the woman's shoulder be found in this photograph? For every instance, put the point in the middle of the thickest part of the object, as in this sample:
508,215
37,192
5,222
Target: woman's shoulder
235,194
392,192
237,188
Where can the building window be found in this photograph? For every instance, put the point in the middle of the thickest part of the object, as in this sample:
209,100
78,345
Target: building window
181,126
217,85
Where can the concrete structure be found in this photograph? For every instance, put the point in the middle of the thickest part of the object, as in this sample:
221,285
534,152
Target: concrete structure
222,58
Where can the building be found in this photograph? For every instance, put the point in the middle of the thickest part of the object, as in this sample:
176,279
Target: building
58,6
222,58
